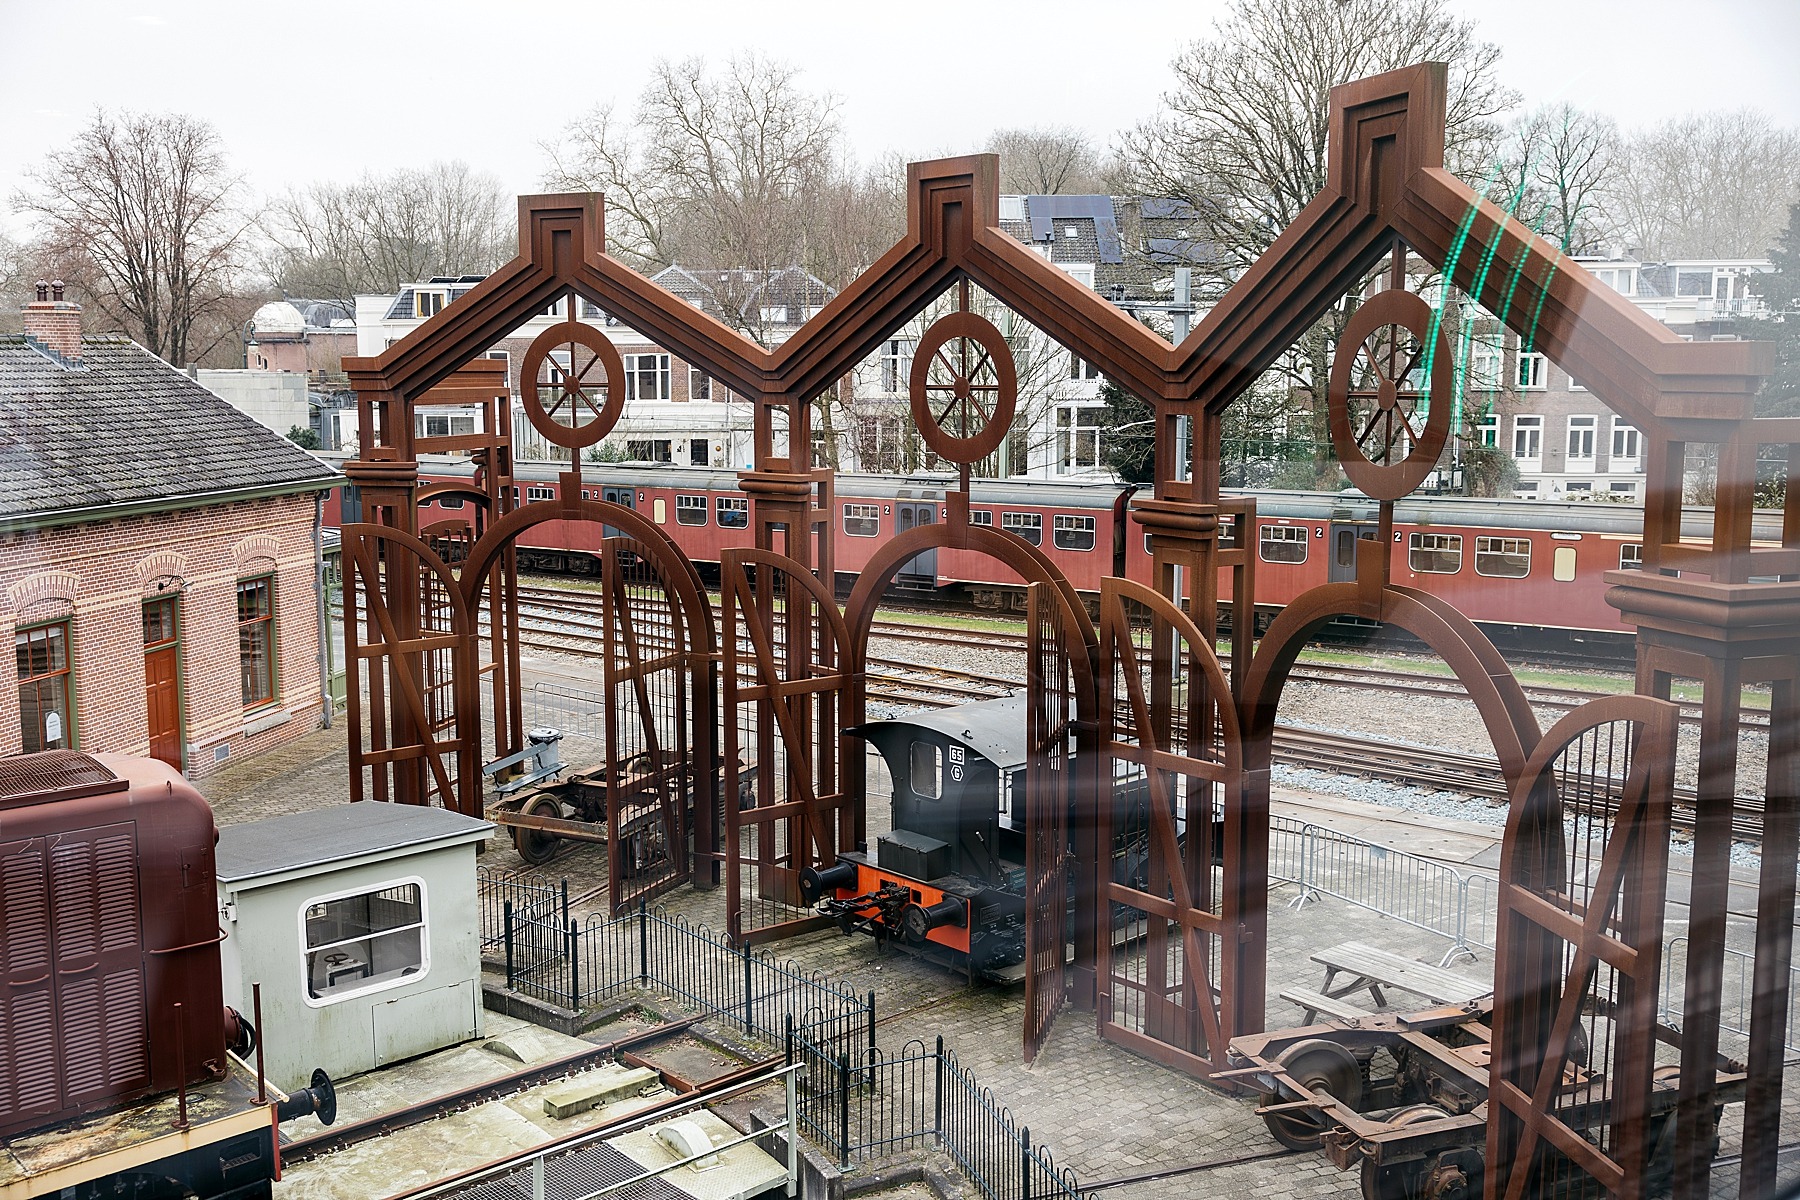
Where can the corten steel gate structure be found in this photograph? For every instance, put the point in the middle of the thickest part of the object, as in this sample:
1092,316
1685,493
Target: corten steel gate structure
1150,694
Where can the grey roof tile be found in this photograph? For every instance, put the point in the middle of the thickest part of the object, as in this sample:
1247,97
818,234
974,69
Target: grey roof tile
124,427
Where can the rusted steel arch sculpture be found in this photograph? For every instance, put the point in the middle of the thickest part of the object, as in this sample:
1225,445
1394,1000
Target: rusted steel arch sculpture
1505,712
403,718
1034,567
675,572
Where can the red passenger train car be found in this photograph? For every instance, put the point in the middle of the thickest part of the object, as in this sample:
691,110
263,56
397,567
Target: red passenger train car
1507,564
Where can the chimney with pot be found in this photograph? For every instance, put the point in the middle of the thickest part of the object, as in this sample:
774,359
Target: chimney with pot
54,321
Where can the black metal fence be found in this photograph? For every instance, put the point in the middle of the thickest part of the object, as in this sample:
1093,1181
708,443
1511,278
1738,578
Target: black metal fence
871,1103
532,896
855,1099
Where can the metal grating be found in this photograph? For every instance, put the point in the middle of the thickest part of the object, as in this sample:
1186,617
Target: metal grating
577,1174
53,775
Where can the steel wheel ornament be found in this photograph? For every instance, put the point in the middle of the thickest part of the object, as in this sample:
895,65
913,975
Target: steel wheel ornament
964,387
575,402
1387,425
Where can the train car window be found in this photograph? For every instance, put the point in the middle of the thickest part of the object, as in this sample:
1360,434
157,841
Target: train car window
1631,556
1073,533
734,512
660,507
1282,543
690,510
1434,553
1502,557
862,520
1562,564
363,941
1029,526
539,493
981,516
451,501
927,770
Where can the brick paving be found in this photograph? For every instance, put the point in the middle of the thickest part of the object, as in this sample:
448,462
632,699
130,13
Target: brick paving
1102,1111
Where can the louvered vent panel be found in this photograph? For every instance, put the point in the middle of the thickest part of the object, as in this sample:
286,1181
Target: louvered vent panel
24,898
28,1080
82,1021
50,771
127,1063
77,901
115,868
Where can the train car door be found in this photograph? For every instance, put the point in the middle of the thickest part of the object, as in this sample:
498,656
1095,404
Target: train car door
618,495
1344,537
921,569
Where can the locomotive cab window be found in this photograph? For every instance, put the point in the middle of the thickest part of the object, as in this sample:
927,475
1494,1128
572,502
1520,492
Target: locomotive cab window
734,512
1073,533
1029,526
690,510
1282,543
1434,553
1503,558
862,520
363,941
927,770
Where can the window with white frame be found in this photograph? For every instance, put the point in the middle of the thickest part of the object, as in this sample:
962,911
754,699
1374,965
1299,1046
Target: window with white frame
1484,367
1487,430
862,520
699,384
1073,533
1528,438
1434,553
363,941
1581,437
1077,438
1503,557
981,516
429,304
690,510
1627,446
1631,556
534,494
734,512
1282,543
1029,526
896,365
1534,369
647,377
444,424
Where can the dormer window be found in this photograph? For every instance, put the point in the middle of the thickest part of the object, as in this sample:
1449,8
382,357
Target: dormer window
428,304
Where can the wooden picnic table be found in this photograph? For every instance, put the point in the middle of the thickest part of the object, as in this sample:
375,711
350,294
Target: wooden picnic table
1369,967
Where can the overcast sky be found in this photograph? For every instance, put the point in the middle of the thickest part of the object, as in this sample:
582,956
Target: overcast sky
301,92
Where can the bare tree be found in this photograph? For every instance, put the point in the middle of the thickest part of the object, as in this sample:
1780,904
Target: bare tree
147,221
1045,160
383,231
1557,170
1709,184
1242,138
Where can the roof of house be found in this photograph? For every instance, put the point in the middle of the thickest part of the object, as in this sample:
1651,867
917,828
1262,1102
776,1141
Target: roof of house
122,427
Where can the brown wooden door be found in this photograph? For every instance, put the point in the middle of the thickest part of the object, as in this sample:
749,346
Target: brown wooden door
162,685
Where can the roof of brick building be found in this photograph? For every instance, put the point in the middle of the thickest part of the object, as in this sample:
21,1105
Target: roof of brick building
120,426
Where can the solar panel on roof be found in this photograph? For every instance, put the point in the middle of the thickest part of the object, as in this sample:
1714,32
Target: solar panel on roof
1045,211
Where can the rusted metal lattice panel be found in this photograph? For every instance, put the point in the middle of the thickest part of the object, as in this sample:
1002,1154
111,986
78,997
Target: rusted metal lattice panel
1168,714
652,772
1573,1079
1049,793
406,629
783,643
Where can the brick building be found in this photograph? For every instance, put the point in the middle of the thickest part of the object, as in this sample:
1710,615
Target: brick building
157,556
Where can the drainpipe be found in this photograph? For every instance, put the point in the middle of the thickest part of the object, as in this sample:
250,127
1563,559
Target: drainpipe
320,585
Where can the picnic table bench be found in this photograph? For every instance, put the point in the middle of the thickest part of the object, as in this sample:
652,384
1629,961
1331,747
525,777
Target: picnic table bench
1371,968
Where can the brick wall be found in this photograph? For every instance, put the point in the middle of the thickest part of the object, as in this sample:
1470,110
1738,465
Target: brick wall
98,576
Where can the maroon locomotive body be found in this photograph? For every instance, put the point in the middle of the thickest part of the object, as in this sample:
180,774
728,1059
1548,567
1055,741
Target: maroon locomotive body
110,982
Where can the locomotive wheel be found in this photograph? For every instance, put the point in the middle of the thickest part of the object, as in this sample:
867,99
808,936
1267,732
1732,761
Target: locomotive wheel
536,846
1315,1064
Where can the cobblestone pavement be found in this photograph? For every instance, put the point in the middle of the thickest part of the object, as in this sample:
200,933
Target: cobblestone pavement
1104,1112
